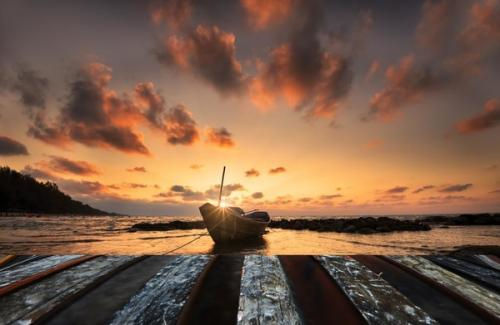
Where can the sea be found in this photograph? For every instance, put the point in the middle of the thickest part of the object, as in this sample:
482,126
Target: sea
110,235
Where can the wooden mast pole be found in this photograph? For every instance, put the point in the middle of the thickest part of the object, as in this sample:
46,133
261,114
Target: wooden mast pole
222,184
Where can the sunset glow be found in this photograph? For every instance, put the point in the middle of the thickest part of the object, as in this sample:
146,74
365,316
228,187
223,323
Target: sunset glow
315,108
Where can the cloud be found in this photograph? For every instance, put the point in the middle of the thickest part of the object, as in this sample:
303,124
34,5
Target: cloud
329,197
277,170
93,115
257,195
397,189
136,185
372,70
423,188
64,165
178,189
434,26
181,127
11,147
436,200
495,191
488,118
209,53
262,13
252,173
483,25
97,116
390,198
137,169
220,137
455,188
173,12
196,166
37,173
31,88
303,71
406,84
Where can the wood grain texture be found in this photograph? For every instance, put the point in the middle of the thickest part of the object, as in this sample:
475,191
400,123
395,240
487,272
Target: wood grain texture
31,303
265,296
471,291
377,300
19,272
483,275
162,298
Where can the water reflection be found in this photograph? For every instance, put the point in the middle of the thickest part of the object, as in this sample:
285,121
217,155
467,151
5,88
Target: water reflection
255,246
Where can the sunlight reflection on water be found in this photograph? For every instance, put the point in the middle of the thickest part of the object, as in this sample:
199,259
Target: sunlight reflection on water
109,235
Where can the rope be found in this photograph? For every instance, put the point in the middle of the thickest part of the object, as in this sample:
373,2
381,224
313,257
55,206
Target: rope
184,245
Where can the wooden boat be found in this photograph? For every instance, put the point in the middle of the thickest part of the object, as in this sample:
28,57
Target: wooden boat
232,223
228,224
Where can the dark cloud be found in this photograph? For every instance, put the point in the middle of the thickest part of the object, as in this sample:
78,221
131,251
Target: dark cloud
487,119
11,147
96,116
181,127
436,200
406,84
455,188
330,196
397,189
136,185
209,53
64,165
31,88
277,170
495,191
227,190
310,77
252,173
178,189
423,188
220,137
138,169
257,195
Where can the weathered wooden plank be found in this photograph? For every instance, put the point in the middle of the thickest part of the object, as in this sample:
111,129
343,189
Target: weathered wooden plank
377,300
31,303
489,261
473,292
24,270
162,298
483,275
265,296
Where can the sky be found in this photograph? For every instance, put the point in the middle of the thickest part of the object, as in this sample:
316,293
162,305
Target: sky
315,107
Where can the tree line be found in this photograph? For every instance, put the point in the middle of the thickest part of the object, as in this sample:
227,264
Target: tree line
23,193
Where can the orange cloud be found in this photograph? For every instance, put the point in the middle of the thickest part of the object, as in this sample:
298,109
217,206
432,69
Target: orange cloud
64,165
433,28
220,137
277,170
489,118
137,169
373,144
252,173
210,54
406,84
262,13
173,12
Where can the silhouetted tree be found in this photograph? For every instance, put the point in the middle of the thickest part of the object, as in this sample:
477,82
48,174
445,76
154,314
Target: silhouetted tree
22,193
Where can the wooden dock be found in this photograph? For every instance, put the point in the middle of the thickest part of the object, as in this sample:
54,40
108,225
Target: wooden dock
251,289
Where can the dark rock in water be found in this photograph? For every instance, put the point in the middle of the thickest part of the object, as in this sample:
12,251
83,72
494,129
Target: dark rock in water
364,225
480,219
173,225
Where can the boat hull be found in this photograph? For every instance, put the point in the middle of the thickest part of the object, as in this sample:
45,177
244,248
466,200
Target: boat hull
225,225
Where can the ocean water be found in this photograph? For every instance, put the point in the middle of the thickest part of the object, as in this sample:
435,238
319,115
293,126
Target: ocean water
109,235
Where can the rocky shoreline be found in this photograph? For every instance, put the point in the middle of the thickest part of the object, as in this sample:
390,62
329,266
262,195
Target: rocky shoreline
361,225
364,225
